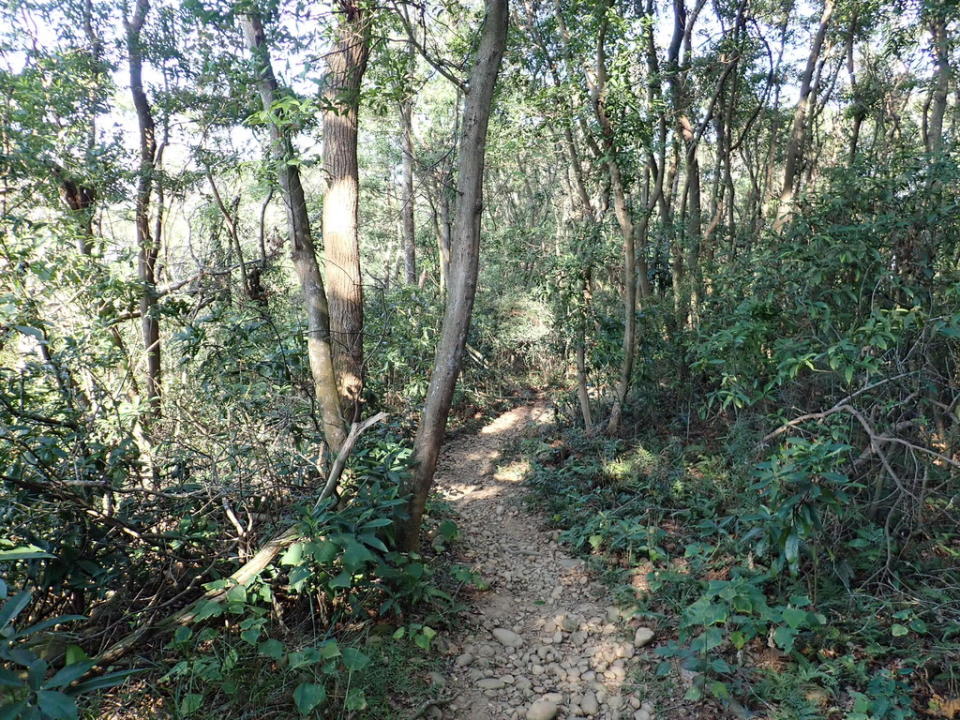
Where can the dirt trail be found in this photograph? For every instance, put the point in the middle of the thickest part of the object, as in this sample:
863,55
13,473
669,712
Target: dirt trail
545,641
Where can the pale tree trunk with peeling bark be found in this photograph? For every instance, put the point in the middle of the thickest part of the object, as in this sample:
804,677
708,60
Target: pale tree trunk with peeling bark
346,64
464,259
303,252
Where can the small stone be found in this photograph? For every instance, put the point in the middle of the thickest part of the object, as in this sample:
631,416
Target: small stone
464,660
508,638
589,704
613,613
542,710
491,684
641,715
569,623
436,679
642,637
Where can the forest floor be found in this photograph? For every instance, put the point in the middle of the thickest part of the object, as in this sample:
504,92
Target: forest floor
545,640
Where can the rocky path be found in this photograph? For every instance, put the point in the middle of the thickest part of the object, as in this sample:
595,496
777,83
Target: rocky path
545,640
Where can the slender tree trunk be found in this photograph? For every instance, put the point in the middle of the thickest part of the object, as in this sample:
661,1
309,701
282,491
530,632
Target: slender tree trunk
624,217
303,253
464,258
859,111
409,230
694,236
798,131
441,228
941,86
229,217
148,247
346,64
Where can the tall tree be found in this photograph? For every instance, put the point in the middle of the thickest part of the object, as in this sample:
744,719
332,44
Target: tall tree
346,64
464,262
148,244
406,194
798,131
303,252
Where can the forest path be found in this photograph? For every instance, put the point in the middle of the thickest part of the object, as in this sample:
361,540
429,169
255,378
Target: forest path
545,641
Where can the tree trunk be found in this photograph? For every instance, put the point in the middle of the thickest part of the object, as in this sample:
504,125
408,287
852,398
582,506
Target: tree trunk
346,64
303,253
938,96
147,245
798,132
464,257
409,230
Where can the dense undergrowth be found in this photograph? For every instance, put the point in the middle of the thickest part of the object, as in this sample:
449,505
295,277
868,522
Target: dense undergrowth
783,502
339,623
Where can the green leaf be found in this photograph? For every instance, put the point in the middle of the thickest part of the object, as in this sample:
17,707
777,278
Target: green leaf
237,594
208,609
343,580
898,630
707,641
56,705
785,637
9,678
13,607
356,555
377,523
104,681
27,552
356,700
305,657
190,703
68,674
293,555
182,634
794,617
323,553
299,576
307,696
75,654
719,690
329,650
13,711
272,648
448,530
353,659
791,550
373,541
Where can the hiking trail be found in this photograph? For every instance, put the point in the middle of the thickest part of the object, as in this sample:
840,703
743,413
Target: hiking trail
545,641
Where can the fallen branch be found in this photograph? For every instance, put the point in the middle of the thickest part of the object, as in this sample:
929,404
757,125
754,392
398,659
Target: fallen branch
433,702
251,569
341,462
875,437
